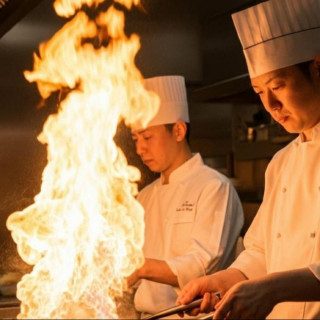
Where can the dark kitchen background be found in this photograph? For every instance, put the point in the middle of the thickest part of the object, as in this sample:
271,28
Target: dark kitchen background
195,39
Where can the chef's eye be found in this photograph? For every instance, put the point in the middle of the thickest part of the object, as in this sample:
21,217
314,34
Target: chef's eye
277,87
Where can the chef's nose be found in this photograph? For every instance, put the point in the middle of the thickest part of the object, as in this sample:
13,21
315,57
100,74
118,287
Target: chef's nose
140,147
271,102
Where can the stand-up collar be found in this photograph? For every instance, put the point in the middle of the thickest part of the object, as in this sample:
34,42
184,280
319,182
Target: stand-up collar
187,168
315,134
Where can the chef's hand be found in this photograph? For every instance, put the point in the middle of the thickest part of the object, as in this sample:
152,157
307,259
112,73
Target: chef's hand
245,300
199,287
206,287
133,278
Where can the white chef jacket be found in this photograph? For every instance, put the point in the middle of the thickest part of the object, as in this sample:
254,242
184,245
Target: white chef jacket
192,223
285,232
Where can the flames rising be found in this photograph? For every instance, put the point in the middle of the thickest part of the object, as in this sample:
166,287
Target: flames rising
84,232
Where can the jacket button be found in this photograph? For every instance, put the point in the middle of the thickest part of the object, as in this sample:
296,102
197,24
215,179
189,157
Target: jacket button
278,235
284,189
312,235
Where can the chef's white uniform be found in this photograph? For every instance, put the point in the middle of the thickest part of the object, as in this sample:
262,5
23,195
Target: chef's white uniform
193,224
285,232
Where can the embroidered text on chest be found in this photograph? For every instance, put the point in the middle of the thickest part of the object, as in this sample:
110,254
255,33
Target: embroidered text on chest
185,206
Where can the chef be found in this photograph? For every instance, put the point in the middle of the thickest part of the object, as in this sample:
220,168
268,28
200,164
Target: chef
278,274
193,215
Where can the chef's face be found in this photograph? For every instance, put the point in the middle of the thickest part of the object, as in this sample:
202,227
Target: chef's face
157,147
291,97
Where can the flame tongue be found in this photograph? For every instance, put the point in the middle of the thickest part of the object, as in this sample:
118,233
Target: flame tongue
84,232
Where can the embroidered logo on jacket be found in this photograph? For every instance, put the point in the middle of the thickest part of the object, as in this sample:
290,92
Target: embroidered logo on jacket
185,206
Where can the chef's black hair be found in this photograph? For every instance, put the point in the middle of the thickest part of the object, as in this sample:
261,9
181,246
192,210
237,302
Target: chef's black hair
304,67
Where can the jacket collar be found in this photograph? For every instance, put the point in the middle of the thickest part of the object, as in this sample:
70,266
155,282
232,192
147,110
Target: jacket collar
315,134
185,170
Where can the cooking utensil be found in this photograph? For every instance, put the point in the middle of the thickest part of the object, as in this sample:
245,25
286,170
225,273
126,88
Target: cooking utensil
176,309
208,316
181,308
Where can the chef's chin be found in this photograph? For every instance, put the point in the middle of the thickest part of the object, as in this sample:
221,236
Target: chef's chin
290,127
152,167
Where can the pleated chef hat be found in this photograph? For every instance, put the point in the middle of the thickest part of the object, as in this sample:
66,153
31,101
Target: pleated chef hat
173,99
278,33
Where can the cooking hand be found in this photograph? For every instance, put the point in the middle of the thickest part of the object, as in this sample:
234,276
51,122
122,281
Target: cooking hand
206,287
133,278
245,300
195,288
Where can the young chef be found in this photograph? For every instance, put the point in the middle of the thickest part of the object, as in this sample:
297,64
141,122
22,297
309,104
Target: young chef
193,215
278,274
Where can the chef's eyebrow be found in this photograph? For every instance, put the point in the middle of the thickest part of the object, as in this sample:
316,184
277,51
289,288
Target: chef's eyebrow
133,134
278,75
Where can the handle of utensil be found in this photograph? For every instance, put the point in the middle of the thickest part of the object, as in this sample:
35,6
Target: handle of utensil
208,316
174,310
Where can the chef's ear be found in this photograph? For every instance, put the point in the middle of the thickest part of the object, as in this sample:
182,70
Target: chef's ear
180,130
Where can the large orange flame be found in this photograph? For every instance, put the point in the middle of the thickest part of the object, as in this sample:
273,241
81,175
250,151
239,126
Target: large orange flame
84,231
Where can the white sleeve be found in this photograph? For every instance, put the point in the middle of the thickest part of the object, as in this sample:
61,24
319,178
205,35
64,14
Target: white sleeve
217,225
251,261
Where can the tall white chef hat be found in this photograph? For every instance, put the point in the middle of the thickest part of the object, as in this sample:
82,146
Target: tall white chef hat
173,99
278,33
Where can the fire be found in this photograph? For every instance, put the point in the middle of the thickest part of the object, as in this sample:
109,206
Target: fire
84,232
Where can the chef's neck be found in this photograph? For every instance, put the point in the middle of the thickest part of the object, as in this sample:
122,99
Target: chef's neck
307,134
181,157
